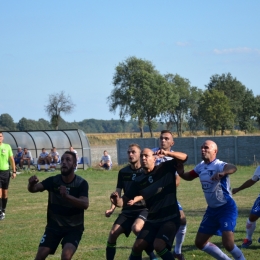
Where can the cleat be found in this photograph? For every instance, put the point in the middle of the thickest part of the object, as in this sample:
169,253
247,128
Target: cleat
2,216
178,256
258,240
246,243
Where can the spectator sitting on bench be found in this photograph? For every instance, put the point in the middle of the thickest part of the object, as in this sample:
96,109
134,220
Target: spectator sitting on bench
106,161
43,159
18,155
26,158
54,158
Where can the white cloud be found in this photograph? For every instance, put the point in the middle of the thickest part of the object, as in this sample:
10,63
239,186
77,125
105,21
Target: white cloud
182,44
236,50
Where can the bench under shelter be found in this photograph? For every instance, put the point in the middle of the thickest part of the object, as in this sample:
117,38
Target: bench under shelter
34,141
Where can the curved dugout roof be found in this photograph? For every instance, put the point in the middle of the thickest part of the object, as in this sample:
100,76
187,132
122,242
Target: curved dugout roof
34,141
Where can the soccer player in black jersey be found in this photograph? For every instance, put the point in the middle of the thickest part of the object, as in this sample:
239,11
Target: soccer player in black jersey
68,198
157,185
133,215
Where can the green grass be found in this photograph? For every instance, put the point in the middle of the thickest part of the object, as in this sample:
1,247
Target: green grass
25,219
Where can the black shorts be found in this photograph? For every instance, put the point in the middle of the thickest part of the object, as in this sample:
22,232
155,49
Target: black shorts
126,221
162,230
4,179
52,238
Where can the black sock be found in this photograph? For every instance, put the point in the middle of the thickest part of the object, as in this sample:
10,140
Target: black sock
4,202
165,254
110,251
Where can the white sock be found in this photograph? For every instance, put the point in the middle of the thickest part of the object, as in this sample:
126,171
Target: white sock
39,166
214,251
250,228
237,253
46,166
179,238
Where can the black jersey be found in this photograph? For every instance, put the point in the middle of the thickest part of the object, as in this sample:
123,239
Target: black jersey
158,189
60,213
125,178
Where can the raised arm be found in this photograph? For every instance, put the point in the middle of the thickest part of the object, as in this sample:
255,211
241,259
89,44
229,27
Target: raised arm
34,185
110,211
228,169
176,155
187,176
245,185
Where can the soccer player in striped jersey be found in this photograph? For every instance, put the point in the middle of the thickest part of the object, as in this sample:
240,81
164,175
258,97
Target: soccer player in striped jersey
164,153
221,213
255,211
132,216
157,185
68,198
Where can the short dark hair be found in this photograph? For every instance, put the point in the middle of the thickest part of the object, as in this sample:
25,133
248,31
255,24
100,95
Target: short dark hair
166,132
73,156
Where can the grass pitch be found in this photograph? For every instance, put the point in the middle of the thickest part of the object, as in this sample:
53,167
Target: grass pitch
25,220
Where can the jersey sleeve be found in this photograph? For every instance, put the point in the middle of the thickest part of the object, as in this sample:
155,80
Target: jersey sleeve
193,174
256,176
84,189
47,184
120,184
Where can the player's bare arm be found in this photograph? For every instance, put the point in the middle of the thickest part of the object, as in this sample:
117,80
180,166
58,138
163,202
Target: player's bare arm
228,169
118,201
12,162
110,211
245,185
82,202
34,185
136,199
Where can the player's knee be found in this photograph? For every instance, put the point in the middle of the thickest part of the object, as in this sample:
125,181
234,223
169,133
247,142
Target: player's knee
159,245
136,229
199,244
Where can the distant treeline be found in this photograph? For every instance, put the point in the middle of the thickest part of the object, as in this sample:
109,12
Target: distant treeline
87,125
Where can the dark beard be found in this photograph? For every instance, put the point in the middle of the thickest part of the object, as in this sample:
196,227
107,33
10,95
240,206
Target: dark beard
67,171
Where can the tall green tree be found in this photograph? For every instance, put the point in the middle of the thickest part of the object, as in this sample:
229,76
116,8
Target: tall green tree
215,110
184,101
7,122
58,103
139,92
237,95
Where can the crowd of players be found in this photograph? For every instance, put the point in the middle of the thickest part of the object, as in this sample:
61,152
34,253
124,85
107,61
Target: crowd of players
146,192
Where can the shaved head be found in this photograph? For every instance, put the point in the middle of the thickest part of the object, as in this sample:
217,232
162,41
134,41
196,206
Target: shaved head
209,151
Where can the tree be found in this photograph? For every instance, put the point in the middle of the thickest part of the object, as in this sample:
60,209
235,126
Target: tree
7,122
184,101
139,92
236,93
58,103
215,110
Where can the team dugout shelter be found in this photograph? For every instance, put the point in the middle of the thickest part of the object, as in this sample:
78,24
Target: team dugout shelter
34,141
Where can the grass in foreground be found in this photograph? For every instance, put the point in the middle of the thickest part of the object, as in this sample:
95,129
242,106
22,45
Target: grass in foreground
25,220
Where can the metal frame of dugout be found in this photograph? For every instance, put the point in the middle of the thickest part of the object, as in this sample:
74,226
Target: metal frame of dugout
35,140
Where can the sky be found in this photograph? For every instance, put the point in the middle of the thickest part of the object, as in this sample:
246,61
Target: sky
49,46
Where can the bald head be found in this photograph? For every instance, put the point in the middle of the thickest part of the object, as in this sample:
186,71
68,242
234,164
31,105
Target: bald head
209,151
147,159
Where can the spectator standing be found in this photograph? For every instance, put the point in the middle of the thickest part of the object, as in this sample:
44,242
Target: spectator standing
26,158
6,157
255,211
221,214
68,198
43,159
106,161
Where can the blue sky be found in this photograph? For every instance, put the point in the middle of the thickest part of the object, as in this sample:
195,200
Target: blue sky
47,46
